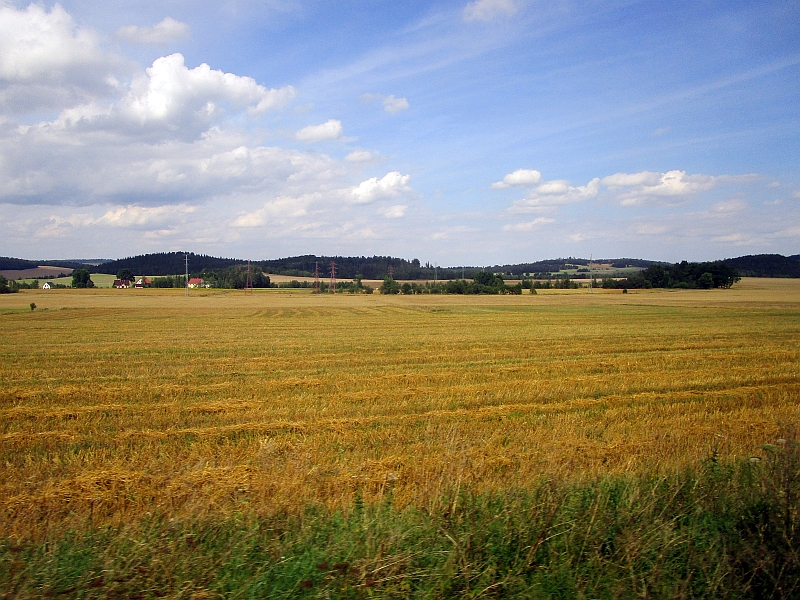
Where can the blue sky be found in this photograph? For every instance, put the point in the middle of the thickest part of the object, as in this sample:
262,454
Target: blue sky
480,132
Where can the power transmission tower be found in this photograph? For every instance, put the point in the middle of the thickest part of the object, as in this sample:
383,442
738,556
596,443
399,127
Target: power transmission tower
333,277
316,278
248,285
391,272
186,280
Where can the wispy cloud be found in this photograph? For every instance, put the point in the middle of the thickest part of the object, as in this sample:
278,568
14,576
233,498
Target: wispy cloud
489,10
529,225
168,30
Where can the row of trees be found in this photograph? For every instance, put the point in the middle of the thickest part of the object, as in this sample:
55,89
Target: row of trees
685,275
484,282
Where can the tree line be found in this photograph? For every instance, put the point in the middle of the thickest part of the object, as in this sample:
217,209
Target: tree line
484,282
685,275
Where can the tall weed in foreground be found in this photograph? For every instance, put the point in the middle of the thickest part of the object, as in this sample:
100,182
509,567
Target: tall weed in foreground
719,530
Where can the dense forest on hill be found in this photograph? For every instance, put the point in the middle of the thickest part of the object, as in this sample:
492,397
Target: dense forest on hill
17,264
166,263
766,265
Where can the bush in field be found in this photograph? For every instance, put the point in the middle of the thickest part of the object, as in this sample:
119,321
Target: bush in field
390,286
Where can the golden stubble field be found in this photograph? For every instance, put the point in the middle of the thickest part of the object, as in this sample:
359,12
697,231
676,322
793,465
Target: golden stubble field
122,404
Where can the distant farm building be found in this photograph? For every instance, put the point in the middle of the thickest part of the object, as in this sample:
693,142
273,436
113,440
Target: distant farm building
121,284
197,282
46,286
142,282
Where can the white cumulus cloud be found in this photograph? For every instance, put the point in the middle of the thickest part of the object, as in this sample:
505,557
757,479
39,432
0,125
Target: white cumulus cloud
166,31
278,210
672,186
489,10
172,101
330,130
519,178
390,103
555,193
391,185
395,105
138,216
625,179
47,62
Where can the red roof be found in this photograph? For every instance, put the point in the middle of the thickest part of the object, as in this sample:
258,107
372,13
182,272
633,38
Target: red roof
195,281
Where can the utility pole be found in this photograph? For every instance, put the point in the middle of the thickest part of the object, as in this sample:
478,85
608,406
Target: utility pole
248,285
316,278
186,258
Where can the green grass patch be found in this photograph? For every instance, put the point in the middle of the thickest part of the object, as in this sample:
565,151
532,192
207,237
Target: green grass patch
715,531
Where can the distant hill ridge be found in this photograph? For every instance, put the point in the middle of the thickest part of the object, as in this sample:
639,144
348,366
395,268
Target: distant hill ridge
376,267
8,263
347,267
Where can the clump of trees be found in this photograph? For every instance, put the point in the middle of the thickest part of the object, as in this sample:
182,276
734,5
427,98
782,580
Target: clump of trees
559,283
125,274
12,286
231,278
170,281
5,288
82,279
684,275
353,287
234,277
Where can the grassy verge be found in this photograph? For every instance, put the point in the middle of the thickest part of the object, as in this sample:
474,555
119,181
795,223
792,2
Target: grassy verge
715,531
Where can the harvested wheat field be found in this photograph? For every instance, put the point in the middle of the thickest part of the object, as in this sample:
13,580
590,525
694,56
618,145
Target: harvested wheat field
121,409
